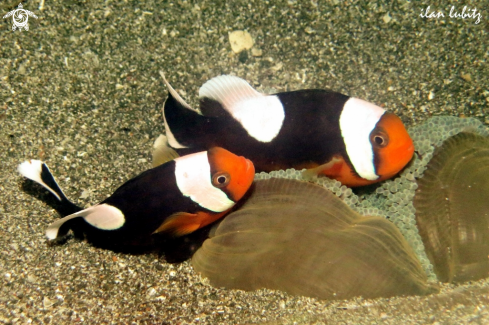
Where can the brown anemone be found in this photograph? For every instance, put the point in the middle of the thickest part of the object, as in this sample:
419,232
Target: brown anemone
452,208
300,238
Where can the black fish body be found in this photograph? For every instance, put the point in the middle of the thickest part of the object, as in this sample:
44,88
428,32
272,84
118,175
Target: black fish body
314,140
171,200
146,213
339,136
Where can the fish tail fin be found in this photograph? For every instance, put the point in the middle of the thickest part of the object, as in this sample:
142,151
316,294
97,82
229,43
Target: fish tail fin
60,227
181,120
162,152
38,171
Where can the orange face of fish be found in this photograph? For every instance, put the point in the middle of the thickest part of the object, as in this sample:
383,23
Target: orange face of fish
230,173
393,147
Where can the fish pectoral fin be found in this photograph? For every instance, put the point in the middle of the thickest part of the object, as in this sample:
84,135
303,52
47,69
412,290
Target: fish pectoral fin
102,216
162,152
180,223
331,168
184,223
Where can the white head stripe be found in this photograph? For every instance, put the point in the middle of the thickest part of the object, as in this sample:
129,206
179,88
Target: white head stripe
193,176
357,121
260,115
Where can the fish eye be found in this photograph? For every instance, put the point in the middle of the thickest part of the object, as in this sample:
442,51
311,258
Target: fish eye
220,179
380,139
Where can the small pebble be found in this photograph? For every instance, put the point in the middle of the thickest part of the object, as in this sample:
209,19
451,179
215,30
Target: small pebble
256,52
151,292
31,278
240,40
47,303
466,77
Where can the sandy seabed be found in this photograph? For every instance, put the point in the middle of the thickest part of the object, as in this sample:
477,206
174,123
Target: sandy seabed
81,90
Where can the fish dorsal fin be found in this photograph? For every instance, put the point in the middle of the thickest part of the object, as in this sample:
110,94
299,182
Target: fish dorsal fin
102,216
162,152
227,90
260,115
174,93
179,103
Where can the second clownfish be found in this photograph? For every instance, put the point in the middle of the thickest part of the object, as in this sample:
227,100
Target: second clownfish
328,133
173,199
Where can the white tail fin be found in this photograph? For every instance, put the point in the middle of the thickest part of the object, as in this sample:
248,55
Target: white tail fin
33,170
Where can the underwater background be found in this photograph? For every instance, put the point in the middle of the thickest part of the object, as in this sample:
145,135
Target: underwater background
81,90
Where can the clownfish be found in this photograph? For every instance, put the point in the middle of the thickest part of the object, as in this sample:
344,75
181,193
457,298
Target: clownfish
328,133
173,199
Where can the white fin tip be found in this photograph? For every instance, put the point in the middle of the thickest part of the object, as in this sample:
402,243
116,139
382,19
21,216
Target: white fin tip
32,170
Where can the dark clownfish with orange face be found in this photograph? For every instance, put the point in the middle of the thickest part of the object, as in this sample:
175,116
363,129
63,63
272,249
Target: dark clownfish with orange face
344,138
173,199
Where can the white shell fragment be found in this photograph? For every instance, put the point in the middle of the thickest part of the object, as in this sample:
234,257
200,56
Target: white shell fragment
240,40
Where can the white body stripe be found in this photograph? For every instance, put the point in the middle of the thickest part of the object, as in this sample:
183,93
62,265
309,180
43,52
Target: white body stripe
103,216
193,177
357,120
260,115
